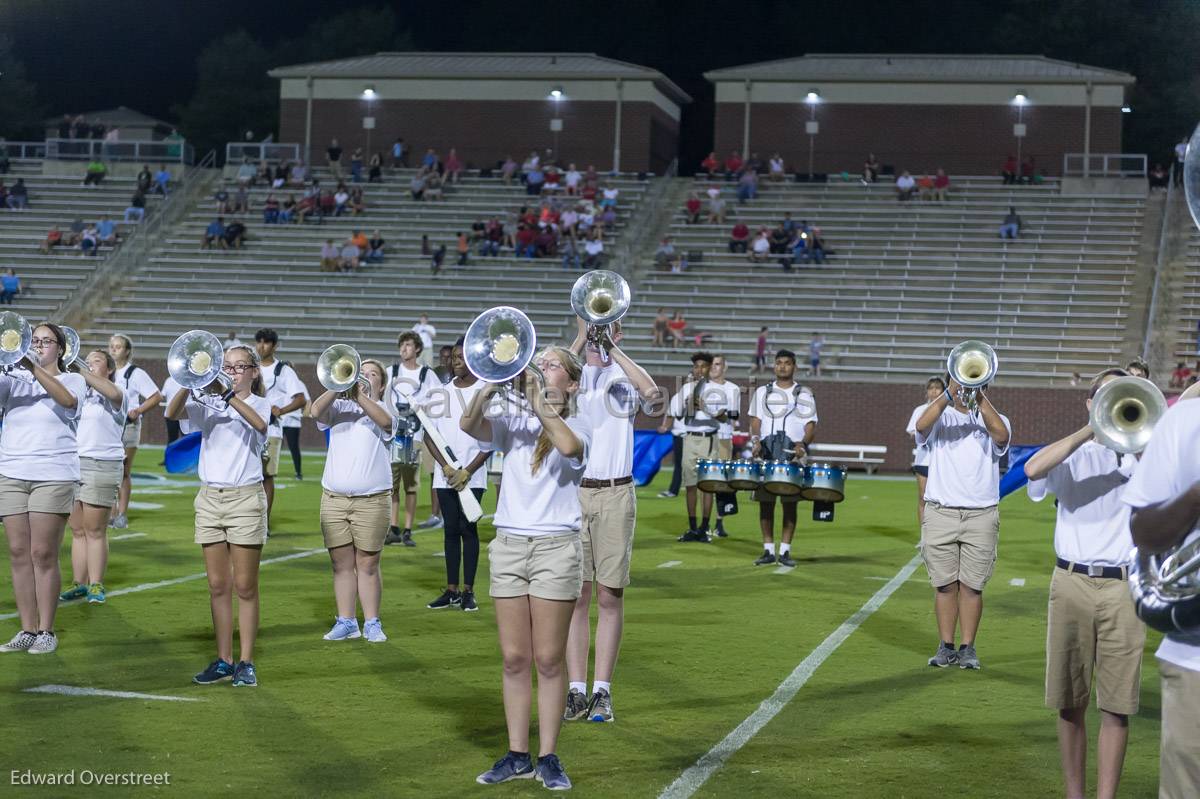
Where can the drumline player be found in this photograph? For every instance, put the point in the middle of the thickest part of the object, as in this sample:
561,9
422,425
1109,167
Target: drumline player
101,454
231,505
286,394
731,401
783,423
143,395
410,385
691,405
356,490
38,450
933,387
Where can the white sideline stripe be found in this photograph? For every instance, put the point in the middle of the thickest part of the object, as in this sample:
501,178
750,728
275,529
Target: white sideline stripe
696,775
71,690
145,506
784,570
175,581
670,564
1017,581
126,536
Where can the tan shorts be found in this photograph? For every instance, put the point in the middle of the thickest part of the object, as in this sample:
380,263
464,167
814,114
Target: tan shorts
234,515
959,544
36,496
1179,761
609,517
270,461
725,449
544,566
101,482
696,449
362,521
406,477
1092,625
131,436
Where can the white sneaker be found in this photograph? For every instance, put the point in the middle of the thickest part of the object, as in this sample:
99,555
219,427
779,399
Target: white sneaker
433,522
46,643
343,630
20,642
373,631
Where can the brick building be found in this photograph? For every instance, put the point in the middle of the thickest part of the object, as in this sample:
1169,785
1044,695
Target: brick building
917,112
486,105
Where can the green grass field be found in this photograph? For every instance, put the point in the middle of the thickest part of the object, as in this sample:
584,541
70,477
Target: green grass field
705,643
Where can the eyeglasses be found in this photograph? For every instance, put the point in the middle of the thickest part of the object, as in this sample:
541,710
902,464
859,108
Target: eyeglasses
549,366
43,342
237,368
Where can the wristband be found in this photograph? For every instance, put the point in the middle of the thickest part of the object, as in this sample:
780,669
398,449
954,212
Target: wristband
228,395
948,397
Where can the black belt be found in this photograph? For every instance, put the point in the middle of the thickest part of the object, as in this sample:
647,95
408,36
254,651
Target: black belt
589,482
1094,569
701,435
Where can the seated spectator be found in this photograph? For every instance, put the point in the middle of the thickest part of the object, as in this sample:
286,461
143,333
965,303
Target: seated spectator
357,203
608,197
241,201
572,180
524,241
545,245
675,328
299,174
1009,170
531,163
739,238
416,186
760,250
1028,170
10,286
329,256
591,177
375,248
665,257
814,247
747,188
77,228
287,209
941,186
375,169
753,163
89,242
569,250
53,239
145,179
534,179
359,240
235,234
245,173
18,196
710,164
438,257
588,192
106,231
282,170
660,328
270,210
788,224
1158,177
454,167
593,251
214,234
356,165
399,153
340,199
776,170
733,165
692,209
553,178
508,169
1179,377
96,170
609,218
493,235
925,187
326,205
221,197
137,207
716,207
781,240
462,246
162,180
429,161
905,185
1010,228
870,173
433,187
263,173
348,257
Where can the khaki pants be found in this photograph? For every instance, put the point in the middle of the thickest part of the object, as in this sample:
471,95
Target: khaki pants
609,517
959,544
1179,762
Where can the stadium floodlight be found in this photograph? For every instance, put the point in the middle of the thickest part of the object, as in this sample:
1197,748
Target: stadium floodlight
1125,109
813,97
556,93
1020,98
369,93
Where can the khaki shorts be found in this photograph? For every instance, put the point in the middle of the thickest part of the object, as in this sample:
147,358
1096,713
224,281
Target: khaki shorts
959,544
609,517
131,436
362,521
101,482
725,449
233,515
406,477
1179,761
1092,625
544,566
696,449
270,461
36,496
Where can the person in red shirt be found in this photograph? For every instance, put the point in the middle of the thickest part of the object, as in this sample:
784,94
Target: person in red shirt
739,238
941,185
1180,376
692,207
1009,172
525,237
733,165
676,327
710,164
925,187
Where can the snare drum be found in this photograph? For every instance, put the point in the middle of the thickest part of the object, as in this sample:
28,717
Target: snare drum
711,476
783,478
744,475
825,484
405,451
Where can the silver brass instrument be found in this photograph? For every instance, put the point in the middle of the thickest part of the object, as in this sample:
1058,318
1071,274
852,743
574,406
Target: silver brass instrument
195,360
1124,413
600,298
16,337
1166,589
499,344
972,364
340,367
71,354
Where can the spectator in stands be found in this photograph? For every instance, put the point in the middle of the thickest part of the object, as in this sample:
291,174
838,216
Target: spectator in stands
1010,228
760,250
326,205
399,153
534,179
221,198
1076,378
760,351
145,179
776,171
439,255
3,195
1028,170
1138,368
162,180
77,228
815,345
691,209
333,156
235,234
675,328
53,239
870,173
375,248
710,164
1180,376
348,257
329,256
781,240
905,185
508,169
282,170
1009,171
375,168
571,180
925,187
493,235
307,206
245,173
814,246
462,246
739,238
360,240
545,244
299,174
434,184
106,231
524,241
89,243
241,200
454,167
429,161
1158,177
753,164
357,204
747,188
18,196
214,234
568,222
553,179
716,206
10,286
941,186
665,257
340,200
262,175
137,209
608,219
270,210
593,251
608,197
356,165
660,328
733,165
96,170
416,186
287,209
569,250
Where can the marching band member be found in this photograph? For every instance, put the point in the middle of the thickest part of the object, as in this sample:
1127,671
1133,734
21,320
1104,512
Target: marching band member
39,477
691,404
783,422
231,506
143,395
933,387
536,556
286,394
410,386
355,498
1092,625
612,390
461,537
731,401
101,452
961,525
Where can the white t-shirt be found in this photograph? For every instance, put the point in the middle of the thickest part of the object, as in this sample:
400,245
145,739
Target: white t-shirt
964,462
170,389
610,402
1169,467
730,399
407,390
446,416
230,449
38,441
545,504
611,194
358,462
573,177
762,244
1093,522
921,456
138,386
101,426
426,332
708,407
593,247
281,389
783,410
776,164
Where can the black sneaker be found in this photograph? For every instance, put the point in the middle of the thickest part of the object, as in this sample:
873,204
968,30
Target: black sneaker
695,535
785,559
767,558
577,706
720,531
217,671
468,602
406,538
447,599
393,535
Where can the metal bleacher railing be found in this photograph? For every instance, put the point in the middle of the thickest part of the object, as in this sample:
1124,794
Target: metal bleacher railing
1158,269
1104,165
170,150
271,152
23,149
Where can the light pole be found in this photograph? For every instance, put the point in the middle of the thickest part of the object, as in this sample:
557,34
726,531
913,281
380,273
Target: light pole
811,127
369,121
556,124
1020,100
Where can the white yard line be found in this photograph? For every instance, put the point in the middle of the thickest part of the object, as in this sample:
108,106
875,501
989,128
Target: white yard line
72,690
696,775
670,564
1017,581
126,536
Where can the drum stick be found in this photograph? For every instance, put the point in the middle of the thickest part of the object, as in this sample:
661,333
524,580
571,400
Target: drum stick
470,504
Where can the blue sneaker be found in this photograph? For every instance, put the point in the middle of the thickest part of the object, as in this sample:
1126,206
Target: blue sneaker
217,671
244,676
550,774
509,767
343,629
95,594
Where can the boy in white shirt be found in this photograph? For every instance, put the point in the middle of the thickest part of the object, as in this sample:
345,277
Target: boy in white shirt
1092,624
933,387
410,384
286,394
729,397
961,527
143,395
700,426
